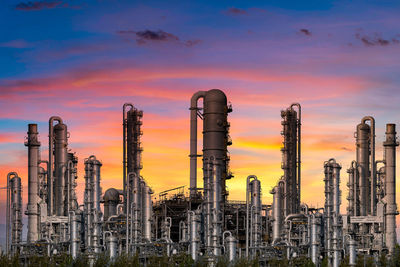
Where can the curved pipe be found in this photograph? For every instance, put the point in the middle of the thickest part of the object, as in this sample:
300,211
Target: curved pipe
353,164
50,164
295,216
182,227
120,208
223,236
193,141
104,237
331,161
305,206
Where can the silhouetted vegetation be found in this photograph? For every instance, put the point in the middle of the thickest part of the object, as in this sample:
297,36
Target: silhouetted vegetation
183,260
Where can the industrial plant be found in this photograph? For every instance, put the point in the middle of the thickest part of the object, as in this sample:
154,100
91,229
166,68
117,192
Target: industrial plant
204,224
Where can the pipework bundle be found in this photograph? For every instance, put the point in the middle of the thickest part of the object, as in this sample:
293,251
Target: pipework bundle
206,224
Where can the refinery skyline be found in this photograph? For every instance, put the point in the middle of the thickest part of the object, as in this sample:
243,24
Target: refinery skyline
93,57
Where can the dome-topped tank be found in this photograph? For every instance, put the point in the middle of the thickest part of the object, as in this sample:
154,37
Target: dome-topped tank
111,200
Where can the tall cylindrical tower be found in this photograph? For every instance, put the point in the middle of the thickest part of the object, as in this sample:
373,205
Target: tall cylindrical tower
215,132
291,123
60,166
33,145
215,135
363,151
391,207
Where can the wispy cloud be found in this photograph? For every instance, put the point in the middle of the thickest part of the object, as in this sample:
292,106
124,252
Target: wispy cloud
37,5
305,32
159,36
46,4
15,44
376,39
236,11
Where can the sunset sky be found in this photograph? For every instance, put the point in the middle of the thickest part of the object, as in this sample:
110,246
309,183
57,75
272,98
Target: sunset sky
82,60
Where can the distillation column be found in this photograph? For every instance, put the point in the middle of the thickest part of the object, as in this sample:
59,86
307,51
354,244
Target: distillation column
291,158
57,179
365,141
277,212
255,200
147,212
14,212
215,162
133,143
215,135
96,204
333,233
92,204
134,187
253,214
33,145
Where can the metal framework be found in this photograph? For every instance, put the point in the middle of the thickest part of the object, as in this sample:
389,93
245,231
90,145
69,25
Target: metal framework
204,224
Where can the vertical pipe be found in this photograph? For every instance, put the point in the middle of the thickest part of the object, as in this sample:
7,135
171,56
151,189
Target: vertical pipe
193,141
390,184
33,186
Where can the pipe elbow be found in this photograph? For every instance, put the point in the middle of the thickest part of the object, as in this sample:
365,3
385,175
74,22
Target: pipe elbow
254,177
127,105
55,118
14,174
196,96
368,118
